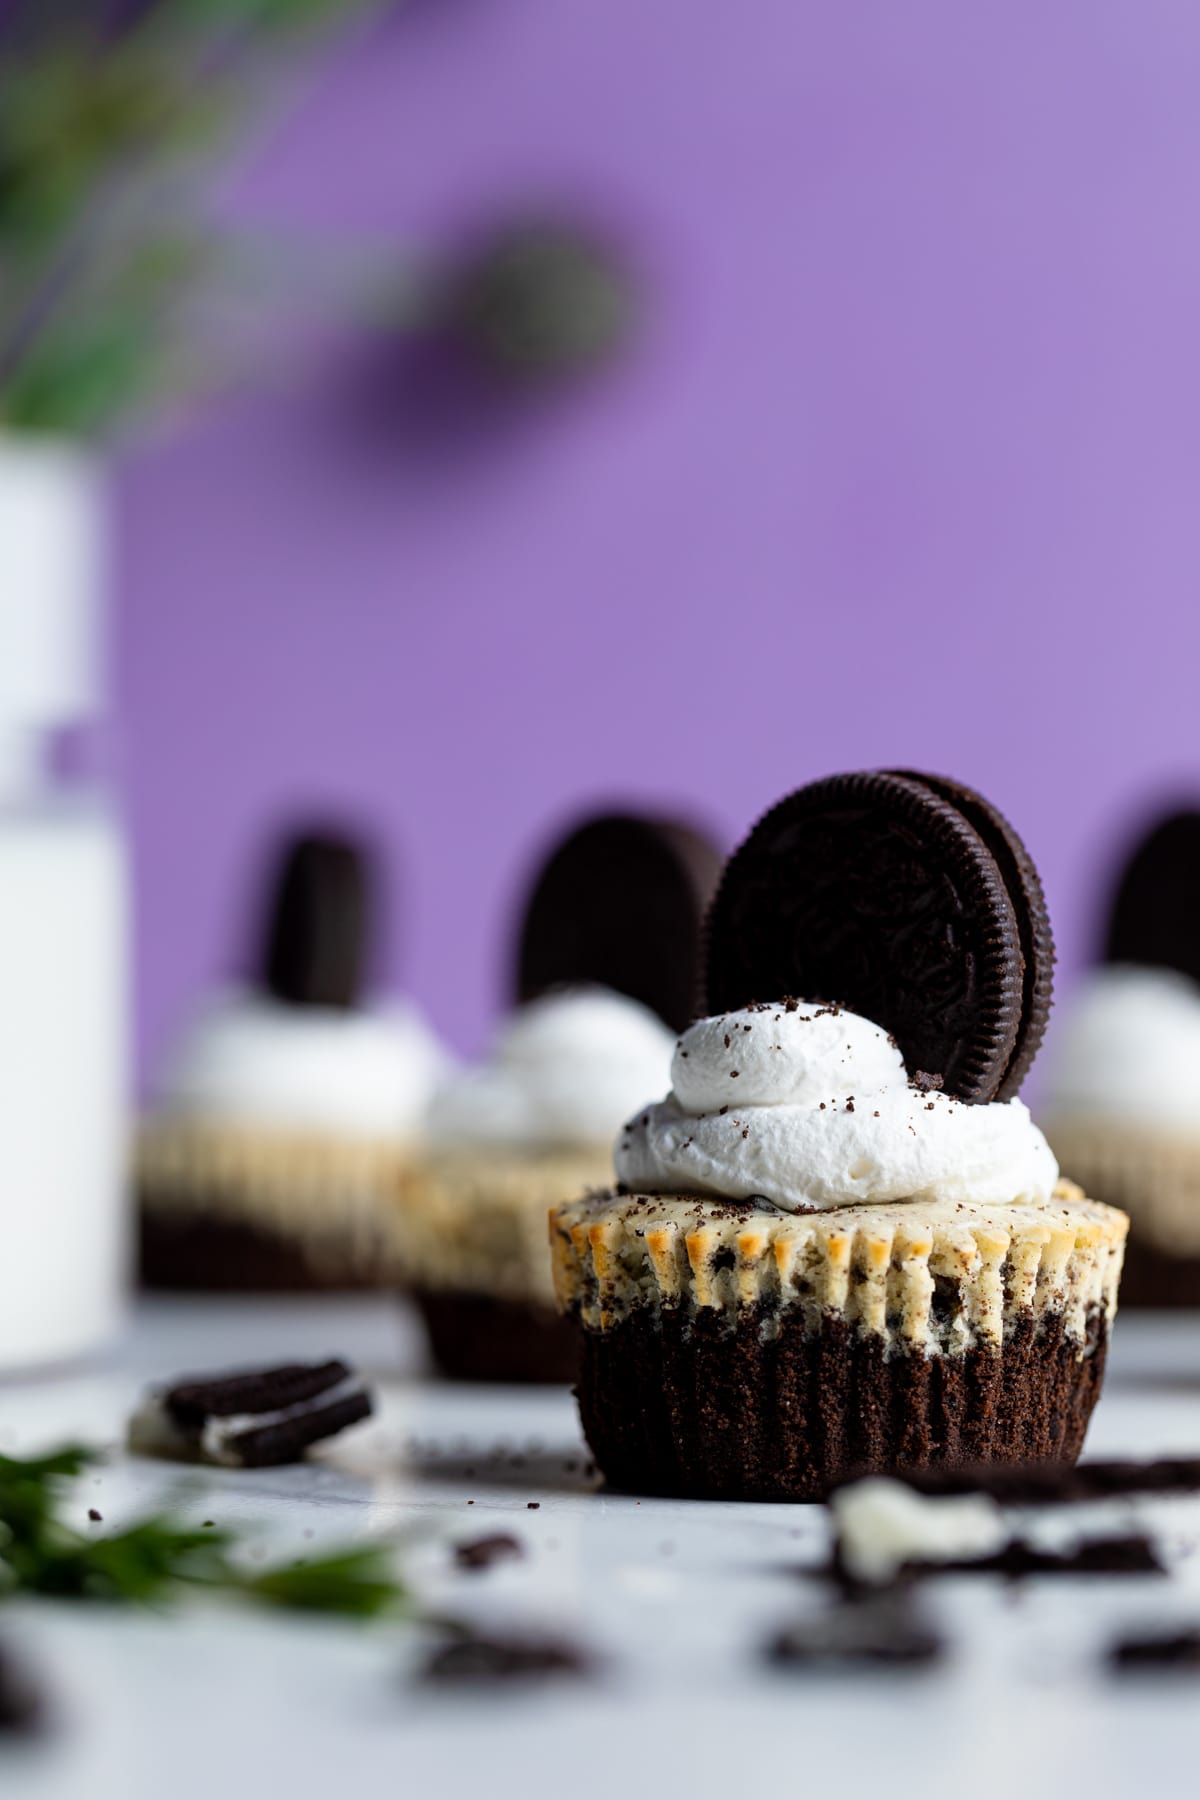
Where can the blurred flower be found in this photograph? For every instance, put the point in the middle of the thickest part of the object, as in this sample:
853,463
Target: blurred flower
109,113
539,299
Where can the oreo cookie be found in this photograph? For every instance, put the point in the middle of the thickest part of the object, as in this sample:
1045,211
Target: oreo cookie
252,1420
1155,917
314,949
620,902
906,899
1025,890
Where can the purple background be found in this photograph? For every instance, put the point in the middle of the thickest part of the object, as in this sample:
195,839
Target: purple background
903,470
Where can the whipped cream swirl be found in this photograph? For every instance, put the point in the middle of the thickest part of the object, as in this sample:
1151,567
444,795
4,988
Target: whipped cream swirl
565,1069
810,1107
1128,1046
250,1060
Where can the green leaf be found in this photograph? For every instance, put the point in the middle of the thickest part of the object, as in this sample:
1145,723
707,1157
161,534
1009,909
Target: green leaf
357,1583
159,1558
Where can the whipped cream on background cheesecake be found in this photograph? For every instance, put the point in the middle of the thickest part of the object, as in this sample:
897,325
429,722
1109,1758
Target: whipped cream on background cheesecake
1126,1046
564,1069
251,1060
1121,1106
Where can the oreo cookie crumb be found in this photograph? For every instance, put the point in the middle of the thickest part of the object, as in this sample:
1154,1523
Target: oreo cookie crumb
97,1518
532,1505
481,1553
1172,1650
1129,1554
1032,1484
478,1660
21,1706
880,1631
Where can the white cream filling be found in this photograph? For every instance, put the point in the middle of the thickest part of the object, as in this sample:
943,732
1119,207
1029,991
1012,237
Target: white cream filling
881,1525
154,1432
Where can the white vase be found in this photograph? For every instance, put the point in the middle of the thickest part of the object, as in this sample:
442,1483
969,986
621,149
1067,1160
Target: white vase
63,922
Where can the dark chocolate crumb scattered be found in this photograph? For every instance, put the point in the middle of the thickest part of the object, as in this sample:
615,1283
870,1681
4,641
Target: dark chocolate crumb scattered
474,1659
21,1708
1132,1554
1036,1484
96,1518
481,1553
924,1080
532,1505
878,1630
1172,1650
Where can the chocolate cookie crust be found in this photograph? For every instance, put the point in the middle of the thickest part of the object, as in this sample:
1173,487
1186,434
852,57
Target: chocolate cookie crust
875,892
680,1404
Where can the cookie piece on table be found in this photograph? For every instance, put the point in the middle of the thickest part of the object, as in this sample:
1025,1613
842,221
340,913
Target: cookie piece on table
884,1630
486,1659
252,1419
21,1707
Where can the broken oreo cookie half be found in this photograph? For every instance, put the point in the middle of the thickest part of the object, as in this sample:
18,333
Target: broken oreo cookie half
254,1419
620,903
907,899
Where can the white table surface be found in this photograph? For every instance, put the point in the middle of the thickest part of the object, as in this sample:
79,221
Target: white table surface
676,1597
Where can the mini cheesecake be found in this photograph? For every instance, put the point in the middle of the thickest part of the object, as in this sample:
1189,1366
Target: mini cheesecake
289,1114
732,1351
1121,1101
605,971
840,1246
